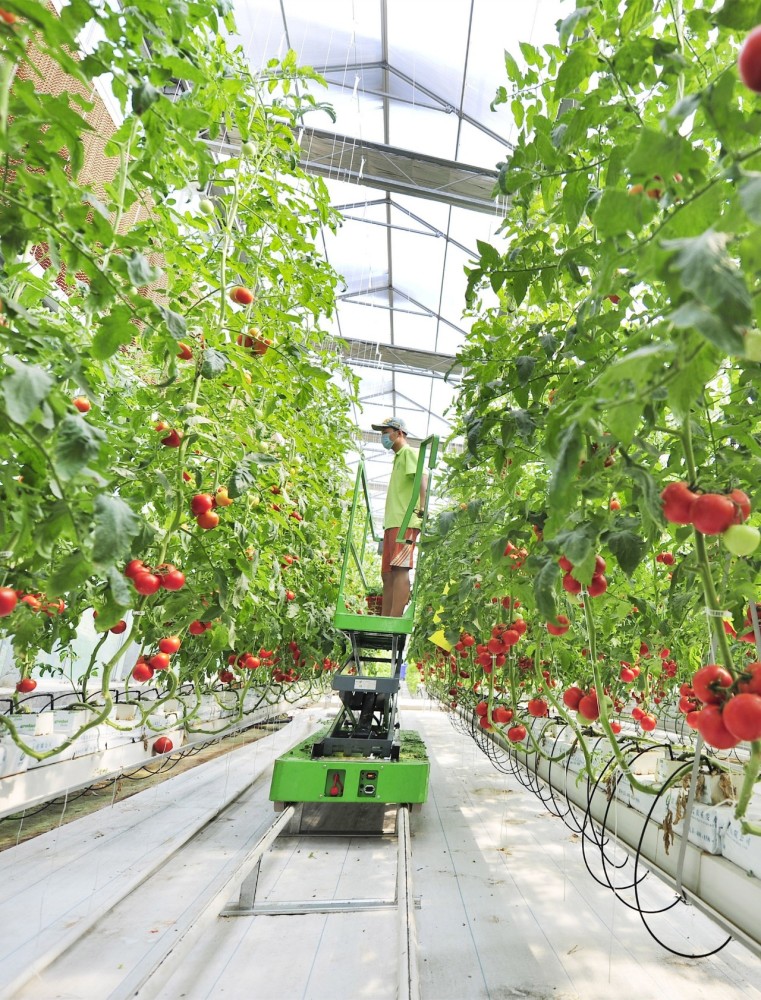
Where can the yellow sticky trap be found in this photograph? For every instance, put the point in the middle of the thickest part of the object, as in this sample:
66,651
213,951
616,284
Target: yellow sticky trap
439,639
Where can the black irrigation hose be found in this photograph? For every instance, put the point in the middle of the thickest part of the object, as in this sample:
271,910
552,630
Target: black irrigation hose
678,899
588,824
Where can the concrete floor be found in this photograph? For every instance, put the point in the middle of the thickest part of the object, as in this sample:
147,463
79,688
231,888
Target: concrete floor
508,909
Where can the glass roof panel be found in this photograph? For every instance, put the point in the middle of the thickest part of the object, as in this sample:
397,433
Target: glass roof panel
408,123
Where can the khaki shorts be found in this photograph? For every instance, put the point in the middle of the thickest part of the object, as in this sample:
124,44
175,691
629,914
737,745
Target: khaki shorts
398,555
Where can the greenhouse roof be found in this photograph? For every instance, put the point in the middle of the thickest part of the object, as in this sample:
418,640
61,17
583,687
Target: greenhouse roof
410,162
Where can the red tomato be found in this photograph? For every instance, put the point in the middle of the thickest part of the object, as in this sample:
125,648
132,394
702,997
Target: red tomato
172,440
749,61
589,707
648,722
82,403
750,684
142,671
708,682
572,696
185,353
538,708
197,628
242,296
516,734
710,724
742,505
25,685
565,564
160,661
8,601
742,716
677,503
173,580
162,745
559,627
170,644
134,567
121,626
571,584
481,708
502,715
712,513
597,586
201,503
208,520
146,583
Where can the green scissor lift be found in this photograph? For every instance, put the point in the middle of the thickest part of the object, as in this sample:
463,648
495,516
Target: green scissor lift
363,756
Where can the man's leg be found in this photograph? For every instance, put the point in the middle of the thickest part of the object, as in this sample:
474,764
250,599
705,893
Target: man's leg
400,591
387,593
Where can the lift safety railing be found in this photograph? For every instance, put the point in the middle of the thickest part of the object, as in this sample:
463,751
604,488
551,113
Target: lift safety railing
358,541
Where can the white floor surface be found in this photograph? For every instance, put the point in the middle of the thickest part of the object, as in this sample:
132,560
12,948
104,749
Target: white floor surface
507,907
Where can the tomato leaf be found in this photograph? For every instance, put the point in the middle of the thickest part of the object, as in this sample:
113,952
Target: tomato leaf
214,363
243,476
25,389
706,270
566,466
116,524
627,546
175,323
77,443
694,316
143,96
72,573
140,270
544,585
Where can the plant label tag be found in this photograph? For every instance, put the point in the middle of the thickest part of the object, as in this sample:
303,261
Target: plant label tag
364,684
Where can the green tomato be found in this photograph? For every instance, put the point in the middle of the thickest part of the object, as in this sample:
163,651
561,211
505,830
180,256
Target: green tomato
206,206
741,539
248,148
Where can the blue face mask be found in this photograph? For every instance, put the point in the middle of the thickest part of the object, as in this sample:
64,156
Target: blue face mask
386,441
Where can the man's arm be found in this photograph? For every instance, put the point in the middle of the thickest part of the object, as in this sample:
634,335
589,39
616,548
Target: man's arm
423,492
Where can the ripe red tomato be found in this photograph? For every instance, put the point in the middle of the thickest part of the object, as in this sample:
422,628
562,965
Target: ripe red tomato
571,584
160,661
242,296
121,626
559,627
599,566
742,508
677,503
82,403
502,715
201,503
170,644
614,504
648,722
742,716
146,583
565,564
251,662
25,685
516,734
589,707
226,676
185,352
597,586
173,580
712,513
710,724
8,601
749,61
615,727
162,745
8,17
483,721
134,567
707,683
290,596
519,626
572,696
538,708
197,627
142,671
172,440
750,684
481,708
208,520
627,675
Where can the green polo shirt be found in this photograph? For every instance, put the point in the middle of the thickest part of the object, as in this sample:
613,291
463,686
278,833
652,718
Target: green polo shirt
400,489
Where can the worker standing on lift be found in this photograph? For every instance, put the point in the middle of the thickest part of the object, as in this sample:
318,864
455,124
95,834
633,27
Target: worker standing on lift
398,558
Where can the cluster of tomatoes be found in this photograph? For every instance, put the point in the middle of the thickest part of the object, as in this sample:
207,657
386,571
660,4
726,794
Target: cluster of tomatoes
9,599
713,514
597,585
203,506
144,669
147,580
723,709
516,555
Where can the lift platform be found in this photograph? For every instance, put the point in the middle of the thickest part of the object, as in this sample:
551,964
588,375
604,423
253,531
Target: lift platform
363,755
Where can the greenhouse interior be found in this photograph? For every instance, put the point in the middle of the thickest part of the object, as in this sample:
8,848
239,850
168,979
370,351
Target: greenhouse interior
380,547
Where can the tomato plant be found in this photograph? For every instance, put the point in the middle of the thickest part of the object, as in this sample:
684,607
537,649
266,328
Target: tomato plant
609,403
